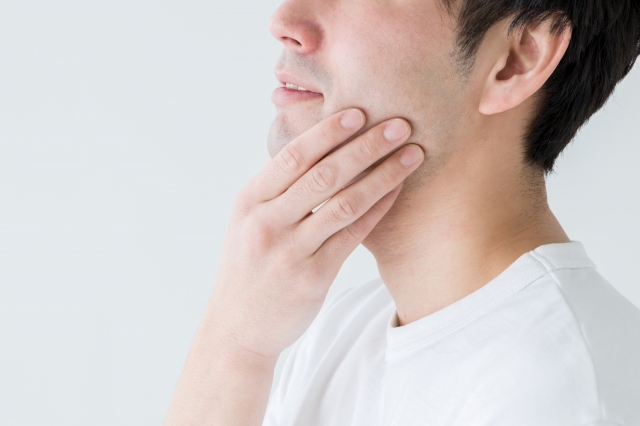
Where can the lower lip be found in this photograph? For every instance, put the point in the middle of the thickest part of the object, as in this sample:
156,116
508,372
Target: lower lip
282,95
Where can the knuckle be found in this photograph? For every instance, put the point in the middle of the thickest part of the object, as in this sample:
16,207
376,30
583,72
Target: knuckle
323,178
345,209
260,234
356,230
389,175
291,159
242,203
368,145
378,209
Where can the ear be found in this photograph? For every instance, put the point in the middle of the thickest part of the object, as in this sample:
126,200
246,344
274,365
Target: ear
528,59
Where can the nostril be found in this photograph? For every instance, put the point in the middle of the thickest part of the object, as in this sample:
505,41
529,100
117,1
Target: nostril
291,40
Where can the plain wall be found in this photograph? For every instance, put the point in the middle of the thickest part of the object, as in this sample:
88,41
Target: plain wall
126,129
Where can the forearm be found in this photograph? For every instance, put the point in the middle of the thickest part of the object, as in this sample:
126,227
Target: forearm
219,385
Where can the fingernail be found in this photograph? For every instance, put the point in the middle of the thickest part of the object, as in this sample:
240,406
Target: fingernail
352,119
411,155
396,130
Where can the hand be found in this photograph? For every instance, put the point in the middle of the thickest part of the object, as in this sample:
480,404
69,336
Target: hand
279,259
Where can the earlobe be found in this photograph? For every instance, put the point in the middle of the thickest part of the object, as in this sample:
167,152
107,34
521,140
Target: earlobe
528,60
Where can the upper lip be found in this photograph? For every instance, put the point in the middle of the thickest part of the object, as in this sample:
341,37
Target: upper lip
286,77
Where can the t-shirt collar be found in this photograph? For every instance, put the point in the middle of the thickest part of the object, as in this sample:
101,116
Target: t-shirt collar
405,340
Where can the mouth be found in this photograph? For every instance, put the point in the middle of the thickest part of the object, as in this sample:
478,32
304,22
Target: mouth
289,93
294,87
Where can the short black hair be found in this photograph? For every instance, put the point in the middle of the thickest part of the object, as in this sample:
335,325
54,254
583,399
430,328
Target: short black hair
605,43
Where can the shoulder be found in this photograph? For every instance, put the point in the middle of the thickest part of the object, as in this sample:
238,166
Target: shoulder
610,326
579,302
569,350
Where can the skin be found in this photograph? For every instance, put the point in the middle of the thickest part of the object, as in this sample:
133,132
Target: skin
469,128
403,71
467,208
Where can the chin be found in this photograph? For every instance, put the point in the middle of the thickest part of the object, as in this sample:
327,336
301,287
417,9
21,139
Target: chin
278,137
288,125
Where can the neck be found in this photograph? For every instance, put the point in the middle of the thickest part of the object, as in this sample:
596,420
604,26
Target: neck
454,229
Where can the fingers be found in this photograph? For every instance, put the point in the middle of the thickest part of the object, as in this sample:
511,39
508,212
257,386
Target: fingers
345,208
339,246
297,157
336,170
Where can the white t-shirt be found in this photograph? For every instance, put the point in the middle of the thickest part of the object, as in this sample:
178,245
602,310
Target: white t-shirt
547,343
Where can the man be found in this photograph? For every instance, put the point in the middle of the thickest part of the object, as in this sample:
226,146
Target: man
428,125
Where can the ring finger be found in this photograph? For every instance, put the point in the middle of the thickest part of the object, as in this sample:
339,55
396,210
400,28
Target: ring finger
353,202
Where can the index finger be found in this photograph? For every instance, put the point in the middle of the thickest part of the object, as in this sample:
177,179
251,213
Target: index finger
297,157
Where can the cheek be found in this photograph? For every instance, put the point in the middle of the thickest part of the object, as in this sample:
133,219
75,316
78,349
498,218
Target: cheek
389,77
386,62
398,65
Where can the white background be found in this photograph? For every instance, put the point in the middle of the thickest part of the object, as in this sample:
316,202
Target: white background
126,128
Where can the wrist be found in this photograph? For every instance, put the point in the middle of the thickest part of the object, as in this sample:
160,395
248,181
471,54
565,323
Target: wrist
225,342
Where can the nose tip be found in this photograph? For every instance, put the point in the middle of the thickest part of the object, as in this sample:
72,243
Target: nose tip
295,29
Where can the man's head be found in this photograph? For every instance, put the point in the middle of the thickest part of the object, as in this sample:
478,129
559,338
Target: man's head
462,72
